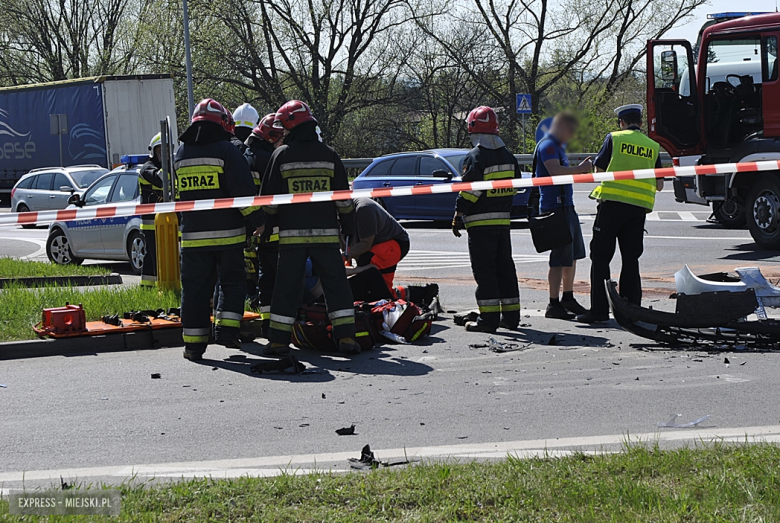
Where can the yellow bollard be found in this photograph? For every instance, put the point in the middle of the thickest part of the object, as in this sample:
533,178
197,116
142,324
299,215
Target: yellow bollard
167,240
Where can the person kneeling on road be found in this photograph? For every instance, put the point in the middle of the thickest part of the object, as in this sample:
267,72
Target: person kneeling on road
381,240
486,215
550,160
308,230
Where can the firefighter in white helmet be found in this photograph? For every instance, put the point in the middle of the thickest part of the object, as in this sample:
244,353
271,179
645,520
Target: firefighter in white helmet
246,118
151,189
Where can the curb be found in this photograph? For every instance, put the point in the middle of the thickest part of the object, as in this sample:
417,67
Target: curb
128,341
74,281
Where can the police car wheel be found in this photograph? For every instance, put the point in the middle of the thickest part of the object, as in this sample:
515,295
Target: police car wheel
136,251
58,249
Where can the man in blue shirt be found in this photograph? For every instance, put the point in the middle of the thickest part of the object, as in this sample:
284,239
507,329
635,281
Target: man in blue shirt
550,160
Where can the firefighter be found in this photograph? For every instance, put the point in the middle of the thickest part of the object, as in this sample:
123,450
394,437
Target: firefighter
380,240
621,212
262,254
486,216
208,166
151,189
245,118
308,230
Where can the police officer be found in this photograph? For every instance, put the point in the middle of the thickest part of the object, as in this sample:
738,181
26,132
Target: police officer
208,166
622,209
245,117
151,189
486,215
262,255
308,230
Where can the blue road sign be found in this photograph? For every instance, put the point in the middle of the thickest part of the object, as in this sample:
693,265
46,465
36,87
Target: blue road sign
543,128
524,104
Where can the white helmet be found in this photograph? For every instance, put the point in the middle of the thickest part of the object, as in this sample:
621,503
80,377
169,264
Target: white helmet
156,140
246,116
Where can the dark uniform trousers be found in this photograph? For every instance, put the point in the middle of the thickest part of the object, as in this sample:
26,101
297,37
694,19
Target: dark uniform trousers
267,261
624,224
199,270
490,250
328,265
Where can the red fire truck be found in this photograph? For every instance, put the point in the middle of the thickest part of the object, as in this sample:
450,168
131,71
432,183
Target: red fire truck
718,102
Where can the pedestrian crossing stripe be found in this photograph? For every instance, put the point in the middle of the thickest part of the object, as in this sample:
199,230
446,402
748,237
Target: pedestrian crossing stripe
665,216
434,260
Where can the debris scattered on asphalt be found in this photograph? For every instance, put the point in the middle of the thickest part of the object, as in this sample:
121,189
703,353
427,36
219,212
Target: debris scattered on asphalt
479,346
346,431
461,437
103,399
465,317
497,346
615,363
368,460
279,428
698,360
214,368
3,385
323,395
672,423
281,365
64,485
726,361
553,340
636,379
743,363
156,376
303,425
421,423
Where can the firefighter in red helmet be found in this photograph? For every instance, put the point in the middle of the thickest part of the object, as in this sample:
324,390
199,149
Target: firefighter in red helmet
262,255
308,230
486,216
208,166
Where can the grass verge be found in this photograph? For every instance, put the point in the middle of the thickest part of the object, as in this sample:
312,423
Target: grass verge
21,307
641,484
13,268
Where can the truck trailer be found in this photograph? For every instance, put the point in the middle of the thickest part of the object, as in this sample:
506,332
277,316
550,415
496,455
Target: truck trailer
81,121
718,101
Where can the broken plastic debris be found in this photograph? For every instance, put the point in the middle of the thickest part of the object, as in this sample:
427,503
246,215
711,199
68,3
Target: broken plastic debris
726,361
346,431
672,423
3,385
281,365
368,460
156,376
553,340
497,346
479,346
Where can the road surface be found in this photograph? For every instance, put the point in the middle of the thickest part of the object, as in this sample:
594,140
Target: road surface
102,416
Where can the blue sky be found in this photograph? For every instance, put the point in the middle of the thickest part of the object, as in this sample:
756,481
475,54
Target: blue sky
691,29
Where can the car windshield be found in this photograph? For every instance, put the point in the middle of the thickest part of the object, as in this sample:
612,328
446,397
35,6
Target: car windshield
86,178
456,160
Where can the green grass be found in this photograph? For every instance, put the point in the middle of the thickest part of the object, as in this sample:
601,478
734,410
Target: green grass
21,307
642,484
13,268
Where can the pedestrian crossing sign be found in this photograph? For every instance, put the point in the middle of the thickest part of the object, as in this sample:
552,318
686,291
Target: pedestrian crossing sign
524,104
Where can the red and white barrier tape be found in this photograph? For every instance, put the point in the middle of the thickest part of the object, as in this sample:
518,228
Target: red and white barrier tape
113,211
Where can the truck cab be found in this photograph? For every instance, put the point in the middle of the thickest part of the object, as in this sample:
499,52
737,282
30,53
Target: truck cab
719,102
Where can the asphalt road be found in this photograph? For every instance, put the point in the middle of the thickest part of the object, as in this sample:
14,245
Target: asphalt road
597,384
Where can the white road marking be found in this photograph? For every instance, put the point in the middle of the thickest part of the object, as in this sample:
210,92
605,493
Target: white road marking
688,216
433,260
274,465
655,216
41,252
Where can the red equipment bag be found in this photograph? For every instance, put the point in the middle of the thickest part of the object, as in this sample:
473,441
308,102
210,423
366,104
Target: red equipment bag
412,324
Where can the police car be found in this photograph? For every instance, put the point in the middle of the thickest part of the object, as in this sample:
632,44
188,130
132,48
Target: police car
118,238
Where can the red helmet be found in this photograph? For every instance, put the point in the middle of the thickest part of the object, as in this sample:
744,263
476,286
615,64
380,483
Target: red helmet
210,110
292,114
265,130
231,123
482,120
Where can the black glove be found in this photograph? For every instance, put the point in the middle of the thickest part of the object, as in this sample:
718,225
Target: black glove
457,223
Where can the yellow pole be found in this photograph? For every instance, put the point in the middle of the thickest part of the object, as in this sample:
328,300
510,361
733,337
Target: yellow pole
167,240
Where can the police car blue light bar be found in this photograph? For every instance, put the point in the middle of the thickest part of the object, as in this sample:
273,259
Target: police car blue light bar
133,159
730,15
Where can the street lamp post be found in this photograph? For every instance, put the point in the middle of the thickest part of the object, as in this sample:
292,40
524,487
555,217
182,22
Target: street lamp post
187,57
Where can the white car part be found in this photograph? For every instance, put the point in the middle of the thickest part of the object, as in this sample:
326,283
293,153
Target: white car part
749,278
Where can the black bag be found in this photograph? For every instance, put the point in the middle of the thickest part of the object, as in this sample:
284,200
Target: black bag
549,230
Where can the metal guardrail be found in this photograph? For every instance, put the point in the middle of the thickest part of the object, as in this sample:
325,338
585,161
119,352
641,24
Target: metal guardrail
524,159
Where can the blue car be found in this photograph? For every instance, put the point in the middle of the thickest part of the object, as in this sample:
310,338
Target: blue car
424,168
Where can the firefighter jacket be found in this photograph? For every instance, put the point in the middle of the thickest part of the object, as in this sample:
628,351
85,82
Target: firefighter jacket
259,156
150,182
304,165
208,166
241,146
491,208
